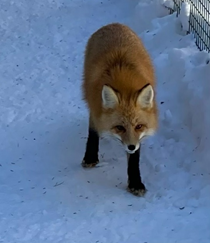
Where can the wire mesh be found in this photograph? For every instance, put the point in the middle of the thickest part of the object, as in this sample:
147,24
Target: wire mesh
199,21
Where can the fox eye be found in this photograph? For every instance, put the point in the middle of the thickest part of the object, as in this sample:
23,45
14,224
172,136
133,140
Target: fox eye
138,127
120,128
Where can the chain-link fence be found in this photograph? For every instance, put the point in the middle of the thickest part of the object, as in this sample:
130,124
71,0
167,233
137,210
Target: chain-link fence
199,21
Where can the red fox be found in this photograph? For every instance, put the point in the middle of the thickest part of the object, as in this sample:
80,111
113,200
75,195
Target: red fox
119,88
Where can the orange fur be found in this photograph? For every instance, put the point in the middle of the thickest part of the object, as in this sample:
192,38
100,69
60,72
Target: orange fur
116,57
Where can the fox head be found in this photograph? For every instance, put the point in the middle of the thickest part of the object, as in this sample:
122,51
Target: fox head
129,119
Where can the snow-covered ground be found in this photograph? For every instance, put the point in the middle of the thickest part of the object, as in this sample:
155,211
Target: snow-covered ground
45,194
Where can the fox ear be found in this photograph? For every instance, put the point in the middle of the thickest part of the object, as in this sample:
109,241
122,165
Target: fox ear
145,97
109,97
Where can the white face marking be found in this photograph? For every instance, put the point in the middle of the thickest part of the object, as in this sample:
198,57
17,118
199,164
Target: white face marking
118,137
106,134
149,132
141,135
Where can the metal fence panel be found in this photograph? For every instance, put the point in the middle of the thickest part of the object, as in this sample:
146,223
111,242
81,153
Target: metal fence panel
199,21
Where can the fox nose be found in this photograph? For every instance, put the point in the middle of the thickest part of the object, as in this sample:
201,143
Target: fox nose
131,147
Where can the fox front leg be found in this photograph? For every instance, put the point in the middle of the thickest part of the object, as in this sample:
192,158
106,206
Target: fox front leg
135,185
91,154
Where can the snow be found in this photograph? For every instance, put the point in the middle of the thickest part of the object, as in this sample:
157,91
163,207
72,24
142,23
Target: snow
46,196
167,3
185,16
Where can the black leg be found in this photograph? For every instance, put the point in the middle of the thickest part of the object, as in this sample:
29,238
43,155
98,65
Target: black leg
135,185
91,154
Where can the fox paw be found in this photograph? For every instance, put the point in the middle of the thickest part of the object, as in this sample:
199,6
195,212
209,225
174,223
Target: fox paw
137,191
89,165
